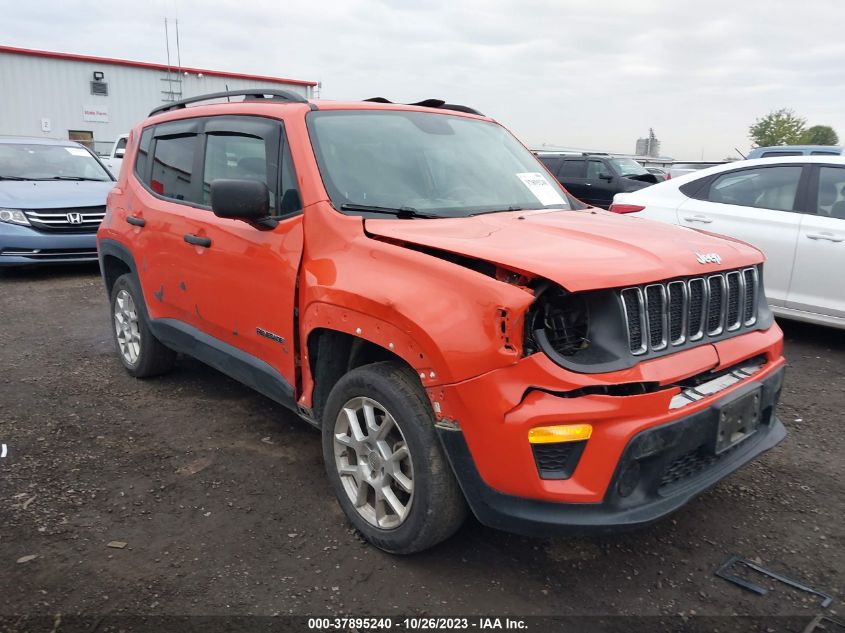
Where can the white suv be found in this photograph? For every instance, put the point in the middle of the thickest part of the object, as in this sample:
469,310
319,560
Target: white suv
792,208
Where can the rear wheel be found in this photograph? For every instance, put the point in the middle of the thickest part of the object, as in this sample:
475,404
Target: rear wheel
142,354
385,463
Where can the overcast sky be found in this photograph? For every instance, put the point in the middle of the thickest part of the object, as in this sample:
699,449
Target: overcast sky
592,75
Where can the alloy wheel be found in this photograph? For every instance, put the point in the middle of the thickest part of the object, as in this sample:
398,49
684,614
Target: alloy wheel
374,463
126,327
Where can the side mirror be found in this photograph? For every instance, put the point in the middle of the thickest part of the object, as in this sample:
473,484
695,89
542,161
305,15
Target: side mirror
118,153
247,200
605,176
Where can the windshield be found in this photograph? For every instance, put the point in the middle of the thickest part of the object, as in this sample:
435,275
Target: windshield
439,165
21,161
627,167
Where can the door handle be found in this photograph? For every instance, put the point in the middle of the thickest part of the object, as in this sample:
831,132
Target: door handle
698,218
136,221
588,184
830,237
196,240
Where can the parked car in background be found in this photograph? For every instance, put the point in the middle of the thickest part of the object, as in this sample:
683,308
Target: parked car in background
596,178
52,199
115,158
661,174
792,208
676,170
779,151
320,253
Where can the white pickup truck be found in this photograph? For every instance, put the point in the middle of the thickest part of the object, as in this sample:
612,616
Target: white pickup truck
115,158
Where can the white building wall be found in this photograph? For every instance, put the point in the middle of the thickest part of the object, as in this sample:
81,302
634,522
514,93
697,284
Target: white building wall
34,88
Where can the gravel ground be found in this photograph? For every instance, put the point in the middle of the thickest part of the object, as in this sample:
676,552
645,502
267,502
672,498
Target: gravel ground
220,498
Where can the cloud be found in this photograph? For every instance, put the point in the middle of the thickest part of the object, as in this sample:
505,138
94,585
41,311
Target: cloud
594,75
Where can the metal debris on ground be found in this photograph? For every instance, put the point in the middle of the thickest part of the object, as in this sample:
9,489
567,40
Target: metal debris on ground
725,572
824,624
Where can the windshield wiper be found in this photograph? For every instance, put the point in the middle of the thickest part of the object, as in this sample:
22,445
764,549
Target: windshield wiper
399,212
12,178
73,178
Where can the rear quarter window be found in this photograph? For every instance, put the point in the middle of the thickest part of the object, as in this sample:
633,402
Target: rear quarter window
142,156
173,164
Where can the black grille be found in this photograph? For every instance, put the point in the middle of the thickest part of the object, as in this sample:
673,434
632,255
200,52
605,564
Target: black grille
714,313
749,276
66,220
696,307
734,291
632,313
676,311
557,460
689,465
655,310
672,313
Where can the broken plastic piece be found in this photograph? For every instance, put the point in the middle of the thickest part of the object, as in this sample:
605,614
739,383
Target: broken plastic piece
723,572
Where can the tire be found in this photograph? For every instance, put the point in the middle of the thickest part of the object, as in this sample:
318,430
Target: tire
435,508
141,353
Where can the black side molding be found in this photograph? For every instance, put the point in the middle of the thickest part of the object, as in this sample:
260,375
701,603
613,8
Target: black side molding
235,363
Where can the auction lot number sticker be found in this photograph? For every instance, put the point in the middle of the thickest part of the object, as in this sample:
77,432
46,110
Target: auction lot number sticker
416,624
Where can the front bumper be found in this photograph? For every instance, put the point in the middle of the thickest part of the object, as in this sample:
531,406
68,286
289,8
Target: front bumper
665,481
24,246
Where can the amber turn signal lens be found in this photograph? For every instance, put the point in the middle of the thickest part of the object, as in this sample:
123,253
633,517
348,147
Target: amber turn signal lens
560,433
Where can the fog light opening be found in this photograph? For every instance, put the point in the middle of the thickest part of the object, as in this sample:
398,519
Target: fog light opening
628,479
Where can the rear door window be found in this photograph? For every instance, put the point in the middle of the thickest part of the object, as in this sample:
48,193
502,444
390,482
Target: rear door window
830,198
764,188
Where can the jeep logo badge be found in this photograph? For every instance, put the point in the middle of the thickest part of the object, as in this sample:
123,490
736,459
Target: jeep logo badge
708,258
74,218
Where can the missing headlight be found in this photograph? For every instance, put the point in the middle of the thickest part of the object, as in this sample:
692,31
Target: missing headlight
564,320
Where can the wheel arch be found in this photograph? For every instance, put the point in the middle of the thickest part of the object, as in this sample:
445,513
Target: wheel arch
115,260
332,353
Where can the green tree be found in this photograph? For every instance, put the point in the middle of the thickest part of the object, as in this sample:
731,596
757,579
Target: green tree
779,127
820,135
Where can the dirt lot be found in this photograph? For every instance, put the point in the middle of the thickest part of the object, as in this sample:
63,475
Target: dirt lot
221,499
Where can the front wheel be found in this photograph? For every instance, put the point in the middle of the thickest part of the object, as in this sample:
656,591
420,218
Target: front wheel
385,463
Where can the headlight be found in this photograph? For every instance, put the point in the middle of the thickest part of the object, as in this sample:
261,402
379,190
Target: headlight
582,331
13,216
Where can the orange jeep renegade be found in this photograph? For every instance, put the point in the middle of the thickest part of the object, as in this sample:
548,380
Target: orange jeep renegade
412,281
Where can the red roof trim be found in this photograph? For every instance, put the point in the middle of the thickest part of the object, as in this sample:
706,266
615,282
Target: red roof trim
134,64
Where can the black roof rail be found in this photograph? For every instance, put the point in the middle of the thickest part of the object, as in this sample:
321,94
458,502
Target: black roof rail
432,103
251,94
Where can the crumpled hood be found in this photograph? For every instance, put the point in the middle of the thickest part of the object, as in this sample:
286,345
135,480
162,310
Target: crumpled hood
50,194
580,250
